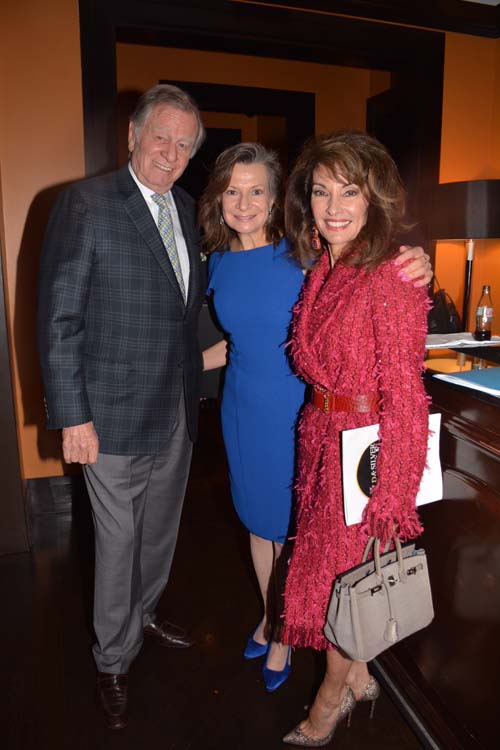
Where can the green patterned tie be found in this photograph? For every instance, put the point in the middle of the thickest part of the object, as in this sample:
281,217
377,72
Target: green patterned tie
166,229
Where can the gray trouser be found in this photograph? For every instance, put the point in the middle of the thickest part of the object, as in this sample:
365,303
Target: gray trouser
136,505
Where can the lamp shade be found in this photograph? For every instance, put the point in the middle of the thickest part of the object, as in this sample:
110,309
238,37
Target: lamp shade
464,210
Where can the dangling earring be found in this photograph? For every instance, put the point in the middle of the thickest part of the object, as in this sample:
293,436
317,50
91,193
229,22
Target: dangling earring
221,220
270,210
315,240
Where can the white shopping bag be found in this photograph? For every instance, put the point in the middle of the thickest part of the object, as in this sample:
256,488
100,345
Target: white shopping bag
359,457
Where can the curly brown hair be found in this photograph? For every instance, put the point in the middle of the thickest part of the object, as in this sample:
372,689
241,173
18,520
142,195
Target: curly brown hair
217,235
361,160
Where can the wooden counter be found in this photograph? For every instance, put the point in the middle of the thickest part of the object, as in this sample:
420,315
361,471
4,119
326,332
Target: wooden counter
446,677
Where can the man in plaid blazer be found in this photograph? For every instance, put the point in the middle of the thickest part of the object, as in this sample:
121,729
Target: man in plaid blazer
122,370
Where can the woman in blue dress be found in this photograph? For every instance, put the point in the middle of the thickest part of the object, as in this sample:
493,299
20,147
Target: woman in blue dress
255,284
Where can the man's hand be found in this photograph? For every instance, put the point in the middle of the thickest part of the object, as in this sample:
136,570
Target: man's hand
419,269
80,444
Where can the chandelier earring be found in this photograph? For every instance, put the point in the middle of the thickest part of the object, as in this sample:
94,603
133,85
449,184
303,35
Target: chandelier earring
315,239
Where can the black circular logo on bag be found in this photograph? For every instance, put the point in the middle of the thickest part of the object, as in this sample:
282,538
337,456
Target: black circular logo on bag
367,468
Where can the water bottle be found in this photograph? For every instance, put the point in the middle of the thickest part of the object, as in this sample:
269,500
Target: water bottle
484,315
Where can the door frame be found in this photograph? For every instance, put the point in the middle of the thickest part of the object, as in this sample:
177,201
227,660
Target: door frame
13,527
415,57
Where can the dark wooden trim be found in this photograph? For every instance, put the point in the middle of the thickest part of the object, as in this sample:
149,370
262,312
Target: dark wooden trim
271,32
97,36
415,57
13,527
447,15
421,706
430,674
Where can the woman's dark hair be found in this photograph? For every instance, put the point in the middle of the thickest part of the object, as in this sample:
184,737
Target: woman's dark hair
356,158
217,235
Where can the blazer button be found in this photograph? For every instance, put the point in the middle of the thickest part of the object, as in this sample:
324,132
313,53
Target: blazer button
180,364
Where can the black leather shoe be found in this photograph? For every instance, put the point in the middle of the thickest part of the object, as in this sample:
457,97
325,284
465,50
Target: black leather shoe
169,635
112,696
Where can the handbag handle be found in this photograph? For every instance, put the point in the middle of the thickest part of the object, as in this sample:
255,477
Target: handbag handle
376,555
399,554
368,547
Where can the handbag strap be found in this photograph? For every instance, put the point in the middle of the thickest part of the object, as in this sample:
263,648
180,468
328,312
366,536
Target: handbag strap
435,285
368,547
399,554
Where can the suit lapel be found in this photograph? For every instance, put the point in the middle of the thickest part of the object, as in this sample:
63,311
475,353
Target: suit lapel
140,215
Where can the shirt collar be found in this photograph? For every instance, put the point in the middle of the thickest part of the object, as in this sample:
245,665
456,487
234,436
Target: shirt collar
147,192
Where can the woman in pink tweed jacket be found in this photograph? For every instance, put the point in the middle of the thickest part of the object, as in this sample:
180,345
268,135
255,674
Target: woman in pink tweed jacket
358,339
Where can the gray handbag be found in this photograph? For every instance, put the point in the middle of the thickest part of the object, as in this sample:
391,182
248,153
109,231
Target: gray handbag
380,602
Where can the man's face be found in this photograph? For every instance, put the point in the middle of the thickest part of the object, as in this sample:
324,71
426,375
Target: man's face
162,147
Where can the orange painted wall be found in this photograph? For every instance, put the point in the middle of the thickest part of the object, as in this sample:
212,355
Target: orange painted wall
41,146
470,149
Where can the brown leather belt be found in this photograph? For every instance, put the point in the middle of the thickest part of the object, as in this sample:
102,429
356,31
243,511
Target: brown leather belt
328,402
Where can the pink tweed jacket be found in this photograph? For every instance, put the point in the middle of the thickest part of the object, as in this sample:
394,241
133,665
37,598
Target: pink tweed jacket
355,332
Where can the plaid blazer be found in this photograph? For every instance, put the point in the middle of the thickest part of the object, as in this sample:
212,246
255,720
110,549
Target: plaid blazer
117,343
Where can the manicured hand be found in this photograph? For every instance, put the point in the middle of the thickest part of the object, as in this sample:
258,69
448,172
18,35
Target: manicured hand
417,269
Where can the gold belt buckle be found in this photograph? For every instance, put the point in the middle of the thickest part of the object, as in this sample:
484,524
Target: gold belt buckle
326,403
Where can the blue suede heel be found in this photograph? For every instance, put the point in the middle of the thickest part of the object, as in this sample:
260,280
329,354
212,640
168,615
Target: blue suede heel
273,679
254,649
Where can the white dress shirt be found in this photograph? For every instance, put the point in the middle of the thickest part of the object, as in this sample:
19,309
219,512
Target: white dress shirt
180,242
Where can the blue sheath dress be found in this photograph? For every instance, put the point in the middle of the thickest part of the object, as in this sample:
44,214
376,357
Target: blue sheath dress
253,294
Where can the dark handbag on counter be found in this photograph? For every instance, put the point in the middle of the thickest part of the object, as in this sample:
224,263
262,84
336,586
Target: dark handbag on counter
380,602
443,317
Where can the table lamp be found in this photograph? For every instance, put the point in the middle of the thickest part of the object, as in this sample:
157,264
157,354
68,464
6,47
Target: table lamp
466,211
